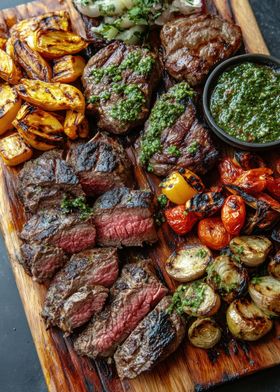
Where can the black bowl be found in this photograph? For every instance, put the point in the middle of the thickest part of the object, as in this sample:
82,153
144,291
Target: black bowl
208,89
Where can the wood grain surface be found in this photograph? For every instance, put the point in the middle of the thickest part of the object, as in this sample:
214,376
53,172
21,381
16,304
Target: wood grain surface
189,369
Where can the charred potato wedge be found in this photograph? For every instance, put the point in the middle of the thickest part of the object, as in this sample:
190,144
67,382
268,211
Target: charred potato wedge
250,250
274,266
246,321
204,333
188,263
72,122
14,151
265,293
32,62
53,44
51,96
8,69
10,48
68,68
227,278
9,106
3,42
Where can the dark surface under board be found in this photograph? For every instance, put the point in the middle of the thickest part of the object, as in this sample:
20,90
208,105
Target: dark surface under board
19,366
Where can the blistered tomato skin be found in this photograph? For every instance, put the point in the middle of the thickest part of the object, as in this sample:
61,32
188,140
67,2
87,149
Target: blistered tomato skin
253,181
212,233
233,214
180,220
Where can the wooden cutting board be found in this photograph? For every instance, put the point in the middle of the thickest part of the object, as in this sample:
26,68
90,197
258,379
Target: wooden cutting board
189,369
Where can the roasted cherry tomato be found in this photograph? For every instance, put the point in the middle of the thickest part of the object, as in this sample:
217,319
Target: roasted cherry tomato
176,189
180,220
247,160
253,181
229,171
274,204
212,233
273,186
233,214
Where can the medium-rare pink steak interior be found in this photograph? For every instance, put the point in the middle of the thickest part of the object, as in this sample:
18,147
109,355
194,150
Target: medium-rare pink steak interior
133,295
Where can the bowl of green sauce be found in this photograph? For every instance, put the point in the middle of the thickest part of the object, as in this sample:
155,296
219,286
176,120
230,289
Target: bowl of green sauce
241,101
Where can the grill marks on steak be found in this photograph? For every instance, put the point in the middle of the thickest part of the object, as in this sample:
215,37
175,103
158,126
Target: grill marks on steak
78,290
113,55
193,45
66,231
124,217
133,295
156,337
44,181
101,164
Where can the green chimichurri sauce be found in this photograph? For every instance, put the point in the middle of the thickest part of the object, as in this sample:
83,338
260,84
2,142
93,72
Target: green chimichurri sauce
246,103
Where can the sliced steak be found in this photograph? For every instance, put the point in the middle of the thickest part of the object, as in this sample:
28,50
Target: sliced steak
133,295
42,261
66,231
44,181
156,337
119,81
77,291
100,164
193,45
124,217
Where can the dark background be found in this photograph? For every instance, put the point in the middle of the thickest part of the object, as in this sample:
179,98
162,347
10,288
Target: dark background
20,370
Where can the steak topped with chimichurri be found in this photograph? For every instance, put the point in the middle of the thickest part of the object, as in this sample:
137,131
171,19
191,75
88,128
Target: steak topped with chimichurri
119,81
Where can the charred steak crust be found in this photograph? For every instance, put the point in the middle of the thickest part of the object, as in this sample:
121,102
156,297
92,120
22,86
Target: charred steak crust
133,295
104,92
100,164
44,181
65,231
124,217
156,337
193,45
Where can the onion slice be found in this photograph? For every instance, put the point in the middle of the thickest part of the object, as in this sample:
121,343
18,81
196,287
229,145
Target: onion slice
204,333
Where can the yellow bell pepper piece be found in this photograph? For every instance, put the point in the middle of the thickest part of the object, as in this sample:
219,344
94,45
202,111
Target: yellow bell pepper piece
176,189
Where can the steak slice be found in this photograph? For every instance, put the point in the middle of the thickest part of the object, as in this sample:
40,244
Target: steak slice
185,143
65,231
42,261
100,164
119,81
44,181
77,291
156,337
124,217
193,45
133,295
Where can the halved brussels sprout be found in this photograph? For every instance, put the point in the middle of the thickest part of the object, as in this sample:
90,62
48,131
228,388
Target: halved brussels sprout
246,321
188,263
265,292
204,333
227,277
250,250
274,266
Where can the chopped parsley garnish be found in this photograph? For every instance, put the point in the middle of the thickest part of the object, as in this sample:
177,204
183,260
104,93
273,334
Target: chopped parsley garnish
129,108
79,204
93,99
174,151
105,96
256,280
162,201
202,253
193,147
194,300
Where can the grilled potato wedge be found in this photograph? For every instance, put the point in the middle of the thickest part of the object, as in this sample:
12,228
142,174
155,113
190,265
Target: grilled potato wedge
8,69
10,47
53,44
14,151
51,96
9,106
3,42
32,62
71,124
68,68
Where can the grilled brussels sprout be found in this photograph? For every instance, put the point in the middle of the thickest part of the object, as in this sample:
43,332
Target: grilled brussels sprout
250,250
204,333
14,151
205,204
227,277
246,321
9,106
274,266
265,292
188,263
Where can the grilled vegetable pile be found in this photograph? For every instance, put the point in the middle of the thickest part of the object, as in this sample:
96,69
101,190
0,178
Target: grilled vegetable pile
36,63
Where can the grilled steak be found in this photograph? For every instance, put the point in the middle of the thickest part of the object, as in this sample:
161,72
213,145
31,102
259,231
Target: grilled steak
77,291
42,261
132,297
124,217
193,45
101,164
66,231
156,337
184,143
43,182
118,83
